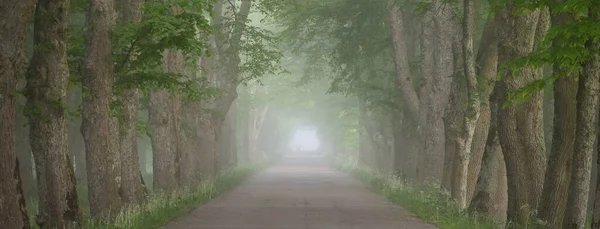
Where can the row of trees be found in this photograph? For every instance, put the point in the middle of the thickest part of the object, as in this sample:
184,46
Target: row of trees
453,93
100,64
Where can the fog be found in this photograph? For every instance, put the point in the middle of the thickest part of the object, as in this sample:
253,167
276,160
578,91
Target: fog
132,114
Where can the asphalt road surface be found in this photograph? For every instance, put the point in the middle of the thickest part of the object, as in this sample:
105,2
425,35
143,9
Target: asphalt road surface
300,192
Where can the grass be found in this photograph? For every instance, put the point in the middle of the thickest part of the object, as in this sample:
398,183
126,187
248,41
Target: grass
161,208
430,202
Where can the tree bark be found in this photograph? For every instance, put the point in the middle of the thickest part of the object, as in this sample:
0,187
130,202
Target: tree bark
98,79
410,96
16,17
490,197
487,70
596,204
437,70
520,125
226,77
46,90
131,189
403,74
469,123
453,114
163,129
558,176
587,120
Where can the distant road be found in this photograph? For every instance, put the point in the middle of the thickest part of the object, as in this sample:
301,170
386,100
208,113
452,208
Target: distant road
300,192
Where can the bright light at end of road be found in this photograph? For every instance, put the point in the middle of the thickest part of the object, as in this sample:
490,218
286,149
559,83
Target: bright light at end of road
305,139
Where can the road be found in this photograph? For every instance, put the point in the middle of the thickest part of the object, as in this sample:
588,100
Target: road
300,192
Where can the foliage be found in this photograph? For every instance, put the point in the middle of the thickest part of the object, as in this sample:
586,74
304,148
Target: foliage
565,45
167,25
259,49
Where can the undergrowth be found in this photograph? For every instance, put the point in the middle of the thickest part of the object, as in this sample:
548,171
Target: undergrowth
429,202
160,208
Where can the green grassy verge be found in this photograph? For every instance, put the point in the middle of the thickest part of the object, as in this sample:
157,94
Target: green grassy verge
161,208
430,203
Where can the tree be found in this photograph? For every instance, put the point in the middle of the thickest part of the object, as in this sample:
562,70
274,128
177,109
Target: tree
46,91
587,119
163,133
16,18
98,79
469,123
519,125
131,188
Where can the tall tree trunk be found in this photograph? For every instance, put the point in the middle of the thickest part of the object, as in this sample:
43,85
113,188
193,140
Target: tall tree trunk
436,79
596,205
487,182
403,74
558,175
587,121
453,115
191,147
131,189
520,125
469,123
98,79
47,85
490,197
410,97
487,69
16,17
162,129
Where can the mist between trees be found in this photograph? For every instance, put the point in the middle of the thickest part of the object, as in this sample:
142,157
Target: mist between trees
103,102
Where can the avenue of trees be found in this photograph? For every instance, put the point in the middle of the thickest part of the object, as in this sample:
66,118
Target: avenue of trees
494,101
104,101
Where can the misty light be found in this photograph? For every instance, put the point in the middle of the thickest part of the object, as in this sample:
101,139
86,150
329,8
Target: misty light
305,139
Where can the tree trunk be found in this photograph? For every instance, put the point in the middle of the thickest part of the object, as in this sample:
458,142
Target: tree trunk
596,206
98,79
190,154
469,123
403,74
520,125
176,115
587,112
16,16
163,128
487,69
490,197
47,85
437,70
558,176
131,189
453,114
257,118
160,125
410,97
